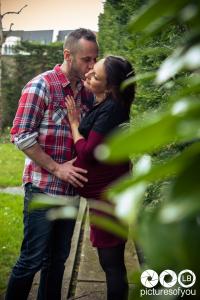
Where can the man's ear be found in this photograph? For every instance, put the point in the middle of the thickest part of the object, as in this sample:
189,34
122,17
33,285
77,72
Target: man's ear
67,55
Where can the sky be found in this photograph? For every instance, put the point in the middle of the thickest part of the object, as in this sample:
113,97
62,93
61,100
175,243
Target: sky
52,14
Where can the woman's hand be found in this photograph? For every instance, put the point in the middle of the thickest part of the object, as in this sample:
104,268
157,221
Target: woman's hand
72,112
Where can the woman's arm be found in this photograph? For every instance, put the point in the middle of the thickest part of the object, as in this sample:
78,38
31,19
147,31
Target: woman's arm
84,147
106,120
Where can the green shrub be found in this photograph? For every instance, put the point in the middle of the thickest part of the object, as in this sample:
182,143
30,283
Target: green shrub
30,60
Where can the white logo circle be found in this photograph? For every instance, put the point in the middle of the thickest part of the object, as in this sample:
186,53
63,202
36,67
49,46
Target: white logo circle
173,276
180,280
149,278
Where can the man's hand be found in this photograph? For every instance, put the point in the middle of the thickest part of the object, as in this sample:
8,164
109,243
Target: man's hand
67,172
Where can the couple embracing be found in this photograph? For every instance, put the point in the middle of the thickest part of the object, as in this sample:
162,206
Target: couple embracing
63,115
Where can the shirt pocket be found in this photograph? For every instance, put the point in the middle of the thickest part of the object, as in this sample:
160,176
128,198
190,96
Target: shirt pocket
59,115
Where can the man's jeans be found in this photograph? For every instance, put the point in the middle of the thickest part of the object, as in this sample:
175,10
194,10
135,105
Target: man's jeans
46,246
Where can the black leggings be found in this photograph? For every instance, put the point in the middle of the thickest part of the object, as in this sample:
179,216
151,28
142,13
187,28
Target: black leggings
112,262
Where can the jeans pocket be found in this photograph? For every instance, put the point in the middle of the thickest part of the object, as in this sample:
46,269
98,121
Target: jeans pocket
30,191
28,195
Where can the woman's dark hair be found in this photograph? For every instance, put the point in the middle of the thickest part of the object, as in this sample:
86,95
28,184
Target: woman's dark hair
117,70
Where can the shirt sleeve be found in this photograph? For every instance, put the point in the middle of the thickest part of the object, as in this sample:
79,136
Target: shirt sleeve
29,114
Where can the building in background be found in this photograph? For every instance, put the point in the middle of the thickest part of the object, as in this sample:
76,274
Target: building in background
40,36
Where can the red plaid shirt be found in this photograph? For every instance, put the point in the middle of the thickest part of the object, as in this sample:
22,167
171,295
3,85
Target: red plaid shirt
42,117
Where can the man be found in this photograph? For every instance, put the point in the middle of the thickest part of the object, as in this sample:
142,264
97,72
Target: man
41,130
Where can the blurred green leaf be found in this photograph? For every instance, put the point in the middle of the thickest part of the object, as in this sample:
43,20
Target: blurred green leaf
149,15
66,212
191,86
43,201
160,171
143,165
181,59
179,211
128,202
157,131
102,206
186,185
141,77
110,225
173,244
184,194
189,12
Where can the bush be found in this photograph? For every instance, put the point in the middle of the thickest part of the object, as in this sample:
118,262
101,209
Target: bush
30,60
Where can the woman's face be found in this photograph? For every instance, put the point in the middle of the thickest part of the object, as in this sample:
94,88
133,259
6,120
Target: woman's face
96,80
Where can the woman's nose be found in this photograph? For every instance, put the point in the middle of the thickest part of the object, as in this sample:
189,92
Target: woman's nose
88,74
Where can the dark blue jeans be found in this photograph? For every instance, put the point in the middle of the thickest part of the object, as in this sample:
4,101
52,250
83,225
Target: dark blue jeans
45,247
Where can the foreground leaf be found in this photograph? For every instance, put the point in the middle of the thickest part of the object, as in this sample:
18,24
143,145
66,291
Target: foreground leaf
179,124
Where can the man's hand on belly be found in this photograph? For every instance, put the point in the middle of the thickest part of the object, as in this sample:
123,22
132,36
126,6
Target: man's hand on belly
69,173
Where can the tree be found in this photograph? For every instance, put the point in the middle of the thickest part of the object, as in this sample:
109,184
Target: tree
2,39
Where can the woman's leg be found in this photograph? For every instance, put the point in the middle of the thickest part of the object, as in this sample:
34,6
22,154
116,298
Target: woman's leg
112,262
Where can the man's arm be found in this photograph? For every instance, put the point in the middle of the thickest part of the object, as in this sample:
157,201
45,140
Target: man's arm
24,133
66,171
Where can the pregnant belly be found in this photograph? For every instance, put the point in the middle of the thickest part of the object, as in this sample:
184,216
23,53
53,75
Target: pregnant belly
99,177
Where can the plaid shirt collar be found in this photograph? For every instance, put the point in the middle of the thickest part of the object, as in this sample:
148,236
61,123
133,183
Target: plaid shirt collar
64,80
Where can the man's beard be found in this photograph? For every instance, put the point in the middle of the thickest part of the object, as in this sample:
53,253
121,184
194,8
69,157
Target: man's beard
76,73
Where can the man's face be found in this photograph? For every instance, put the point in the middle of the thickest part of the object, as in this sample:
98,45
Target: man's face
84,58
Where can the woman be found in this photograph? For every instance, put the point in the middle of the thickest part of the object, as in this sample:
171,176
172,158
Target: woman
111,109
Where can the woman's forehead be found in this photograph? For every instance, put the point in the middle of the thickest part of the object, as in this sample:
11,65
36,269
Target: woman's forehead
99,65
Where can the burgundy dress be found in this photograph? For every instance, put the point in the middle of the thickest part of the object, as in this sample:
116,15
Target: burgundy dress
97,124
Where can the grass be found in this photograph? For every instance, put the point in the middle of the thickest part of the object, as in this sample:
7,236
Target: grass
10,234
11,165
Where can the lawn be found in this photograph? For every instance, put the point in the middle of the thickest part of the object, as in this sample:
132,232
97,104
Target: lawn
11,165
10,234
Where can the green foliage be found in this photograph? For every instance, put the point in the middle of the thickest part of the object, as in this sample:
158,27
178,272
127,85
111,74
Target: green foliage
30,60
145,54
10,234
168,232
179,123
11,165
